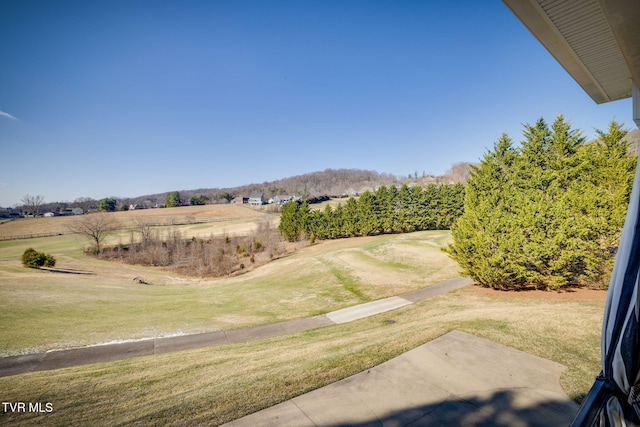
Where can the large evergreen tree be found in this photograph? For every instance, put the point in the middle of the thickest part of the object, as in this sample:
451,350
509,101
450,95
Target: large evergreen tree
604,189
173,200
107,204
293,219
482,243
548,214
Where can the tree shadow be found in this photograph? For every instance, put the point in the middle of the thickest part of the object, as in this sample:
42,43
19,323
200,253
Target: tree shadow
69,271
504,408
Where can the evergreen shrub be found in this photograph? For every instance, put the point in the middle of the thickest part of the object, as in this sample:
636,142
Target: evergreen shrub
34,259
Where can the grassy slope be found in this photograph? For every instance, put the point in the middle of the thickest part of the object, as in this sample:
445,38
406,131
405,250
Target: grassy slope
214,385
43,310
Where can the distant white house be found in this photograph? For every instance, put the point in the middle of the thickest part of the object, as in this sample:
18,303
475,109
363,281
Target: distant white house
281,200
256,199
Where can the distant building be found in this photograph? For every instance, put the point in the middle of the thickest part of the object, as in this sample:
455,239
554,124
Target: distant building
70,211
256,199
240,200
9,213
281,200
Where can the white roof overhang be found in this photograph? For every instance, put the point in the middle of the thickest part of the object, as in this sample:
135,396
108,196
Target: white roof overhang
596,41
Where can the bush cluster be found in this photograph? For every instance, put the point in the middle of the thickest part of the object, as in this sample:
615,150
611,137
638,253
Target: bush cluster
214,256
546,214
34,259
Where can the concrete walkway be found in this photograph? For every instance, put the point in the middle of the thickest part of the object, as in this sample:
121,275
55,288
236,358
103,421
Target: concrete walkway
103,353
454,380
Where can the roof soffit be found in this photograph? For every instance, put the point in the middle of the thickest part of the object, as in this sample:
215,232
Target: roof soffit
578,35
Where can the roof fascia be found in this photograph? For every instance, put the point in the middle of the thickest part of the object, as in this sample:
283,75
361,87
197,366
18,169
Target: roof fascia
536,20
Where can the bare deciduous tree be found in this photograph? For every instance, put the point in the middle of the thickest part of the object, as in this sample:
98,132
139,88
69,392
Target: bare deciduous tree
144,227
95,227
33,203
459,172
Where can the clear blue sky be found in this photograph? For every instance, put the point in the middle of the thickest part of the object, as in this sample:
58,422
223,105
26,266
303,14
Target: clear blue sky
125,98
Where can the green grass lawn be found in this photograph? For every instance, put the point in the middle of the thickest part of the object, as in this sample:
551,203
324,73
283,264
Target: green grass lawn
211,386
43,310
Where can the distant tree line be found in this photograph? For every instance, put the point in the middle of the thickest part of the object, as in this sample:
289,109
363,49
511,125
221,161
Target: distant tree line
198,200
546,214
387,210
311,186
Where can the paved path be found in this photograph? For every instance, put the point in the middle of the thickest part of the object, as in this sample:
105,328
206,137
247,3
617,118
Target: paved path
454,380
103,353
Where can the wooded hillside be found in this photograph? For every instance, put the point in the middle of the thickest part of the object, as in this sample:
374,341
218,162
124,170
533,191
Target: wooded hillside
330,182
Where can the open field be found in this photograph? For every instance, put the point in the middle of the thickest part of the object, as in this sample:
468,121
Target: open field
214,385
86,301
228,214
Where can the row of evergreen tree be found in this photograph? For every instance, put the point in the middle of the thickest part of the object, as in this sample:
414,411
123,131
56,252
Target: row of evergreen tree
548,213
386,210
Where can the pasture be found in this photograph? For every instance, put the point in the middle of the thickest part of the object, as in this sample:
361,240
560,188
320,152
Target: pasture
87,301
229,217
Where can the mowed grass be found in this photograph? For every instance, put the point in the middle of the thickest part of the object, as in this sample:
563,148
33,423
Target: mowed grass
214,385
92,301
85,301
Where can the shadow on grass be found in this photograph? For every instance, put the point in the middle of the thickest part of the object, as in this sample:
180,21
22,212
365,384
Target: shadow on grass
503,408
69,271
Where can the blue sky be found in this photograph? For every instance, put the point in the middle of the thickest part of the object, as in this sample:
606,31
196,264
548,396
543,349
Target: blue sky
125,98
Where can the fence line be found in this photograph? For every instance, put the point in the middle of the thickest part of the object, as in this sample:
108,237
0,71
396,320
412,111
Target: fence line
29,236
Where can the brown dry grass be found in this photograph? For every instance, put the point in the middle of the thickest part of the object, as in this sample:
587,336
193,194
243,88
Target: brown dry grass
127,219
